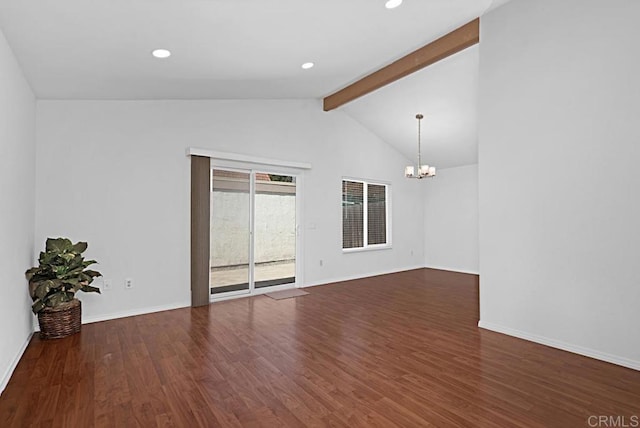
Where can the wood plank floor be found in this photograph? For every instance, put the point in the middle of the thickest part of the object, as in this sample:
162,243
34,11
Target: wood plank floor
394,350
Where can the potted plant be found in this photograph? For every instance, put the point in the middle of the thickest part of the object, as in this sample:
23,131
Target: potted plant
61,273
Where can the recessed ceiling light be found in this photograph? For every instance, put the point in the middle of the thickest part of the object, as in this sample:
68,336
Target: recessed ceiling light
392,4
161,53
307,65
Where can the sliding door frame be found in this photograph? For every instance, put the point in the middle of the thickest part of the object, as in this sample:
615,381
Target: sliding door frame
253,168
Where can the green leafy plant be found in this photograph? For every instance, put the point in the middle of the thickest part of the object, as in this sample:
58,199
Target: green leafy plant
61,273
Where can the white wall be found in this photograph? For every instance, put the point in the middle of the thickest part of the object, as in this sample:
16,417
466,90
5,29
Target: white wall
17,178
559,149
115,173
451,219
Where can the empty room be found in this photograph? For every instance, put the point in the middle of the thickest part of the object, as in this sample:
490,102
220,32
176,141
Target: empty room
364,213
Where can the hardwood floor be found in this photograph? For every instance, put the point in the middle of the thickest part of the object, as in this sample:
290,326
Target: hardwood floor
394,350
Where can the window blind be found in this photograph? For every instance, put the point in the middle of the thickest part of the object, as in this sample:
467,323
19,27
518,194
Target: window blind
352,214
376,214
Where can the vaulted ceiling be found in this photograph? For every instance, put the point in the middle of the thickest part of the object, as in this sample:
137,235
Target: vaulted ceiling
446,94
101,49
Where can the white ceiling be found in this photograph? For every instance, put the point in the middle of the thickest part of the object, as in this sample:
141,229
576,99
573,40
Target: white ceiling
100,49
446,94
235,49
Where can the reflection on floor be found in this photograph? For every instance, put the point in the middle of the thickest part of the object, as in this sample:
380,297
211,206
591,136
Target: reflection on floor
399,350
229,275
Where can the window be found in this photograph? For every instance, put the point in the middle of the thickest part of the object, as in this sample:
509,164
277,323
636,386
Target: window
365,221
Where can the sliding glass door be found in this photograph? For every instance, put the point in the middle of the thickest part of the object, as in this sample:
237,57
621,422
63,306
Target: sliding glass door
253,231
275,230
230,230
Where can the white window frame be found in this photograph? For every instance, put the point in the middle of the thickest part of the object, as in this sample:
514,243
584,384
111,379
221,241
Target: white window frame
365,216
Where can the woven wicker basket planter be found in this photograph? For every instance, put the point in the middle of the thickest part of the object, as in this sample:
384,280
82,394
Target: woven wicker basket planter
62,321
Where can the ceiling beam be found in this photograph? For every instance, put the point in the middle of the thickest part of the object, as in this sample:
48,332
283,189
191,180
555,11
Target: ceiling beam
447,45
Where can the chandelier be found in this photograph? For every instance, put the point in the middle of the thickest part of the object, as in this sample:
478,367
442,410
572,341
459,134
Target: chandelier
423,170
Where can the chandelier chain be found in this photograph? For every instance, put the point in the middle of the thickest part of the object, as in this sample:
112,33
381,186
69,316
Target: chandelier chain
419,117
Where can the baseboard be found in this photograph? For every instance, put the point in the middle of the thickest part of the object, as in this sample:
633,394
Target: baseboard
587,352
7,374
360,276
134,312
470,272
130,313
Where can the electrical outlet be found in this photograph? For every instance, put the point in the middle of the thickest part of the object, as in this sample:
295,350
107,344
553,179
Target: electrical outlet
321,262
106,284
128,283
